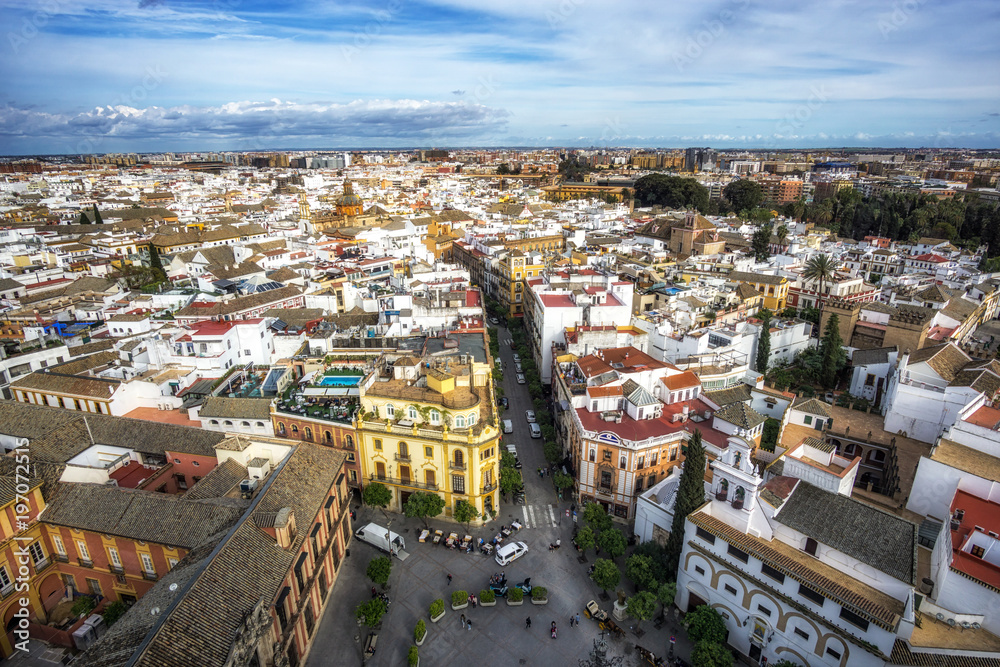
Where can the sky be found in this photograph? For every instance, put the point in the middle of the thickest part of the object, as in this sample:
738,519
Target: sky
97,76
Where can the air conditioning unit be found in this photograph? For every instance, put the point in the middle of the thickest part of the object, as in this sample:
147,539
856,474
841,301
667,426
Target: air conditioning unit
247,488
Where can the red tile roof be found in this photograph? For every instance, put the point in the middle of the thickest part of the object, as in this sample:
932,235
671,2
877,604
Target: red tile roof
982,514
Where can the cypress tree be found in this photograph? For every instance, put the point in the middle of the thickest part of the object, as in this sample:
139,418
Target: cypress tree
156,264
834,355
84,220
690,496
97,216
764,341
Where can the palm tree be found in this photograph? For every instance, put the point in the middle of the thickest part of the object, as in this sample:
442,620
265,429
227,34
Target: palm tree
819,267
782,234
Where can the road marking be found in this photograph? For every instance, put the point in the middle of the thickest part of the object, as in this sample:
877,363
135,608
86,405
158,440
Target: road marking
552,517
529,512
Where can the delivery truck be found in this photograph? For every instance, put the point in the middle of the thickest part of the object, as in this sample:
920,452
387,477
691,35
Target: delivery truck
382,538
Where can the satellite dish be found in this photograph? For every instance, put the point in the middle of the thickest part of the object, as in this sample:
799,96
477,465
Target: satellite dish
173,587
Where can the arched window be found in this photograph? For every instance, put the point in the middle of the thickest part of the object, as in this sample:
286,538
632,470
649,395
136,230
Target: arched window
281,428
723,492
327,436
390,411
737,459
810,547
246,424
459,459
260,424
349,442
295,429
404,451
228,423
213,422
309,433
472,419
435,417
459,421
875,457
412,413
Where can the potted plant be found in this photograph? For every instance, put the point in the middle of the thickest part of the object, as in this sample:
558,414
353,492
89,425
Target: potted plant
539,595
420,632
437,610
412,657
515,597
487,598
459,600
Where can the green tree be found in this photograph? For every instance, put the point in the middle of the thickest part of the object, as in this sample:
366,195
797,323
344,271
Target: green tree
465,512
760,242
585,539
769,438
690,496
612,541
641,607
606,574
84,220
820,268
552,450
97,216
377,494
379,570
764,341
596,517
639,569
423,505
672,192
781,233
834,354
510,480
371,612
785,663
155,264
666,593
114,611
743,195
705,624
562,481
707,654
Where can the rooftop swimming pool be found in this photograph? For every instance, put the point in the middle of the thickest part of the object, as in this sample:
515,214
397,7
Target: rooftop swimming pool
341,381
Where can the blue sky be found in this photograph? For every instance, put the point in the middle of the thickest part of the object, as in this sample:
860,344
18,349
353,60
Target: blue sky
153,75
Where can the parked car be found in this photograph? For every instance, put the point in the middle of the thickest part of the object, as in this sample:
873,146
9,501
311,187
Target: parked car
520,379
510,552
530,416
517,367
494,320
504,402
536,430
517,358
508,426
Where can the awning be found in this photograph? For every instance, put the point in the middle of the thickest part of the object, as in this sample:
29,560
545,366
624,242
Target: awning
307,377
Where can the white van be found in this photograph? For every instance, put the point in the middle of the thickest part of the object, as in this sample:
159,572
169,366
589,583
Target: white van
508,426
510,552
382,538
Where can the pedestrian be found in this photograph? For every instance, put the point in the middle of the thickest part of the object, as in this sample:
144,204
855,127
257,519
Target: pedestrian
578,620
527,623
463,619
470,626
449,580
539,473
571,620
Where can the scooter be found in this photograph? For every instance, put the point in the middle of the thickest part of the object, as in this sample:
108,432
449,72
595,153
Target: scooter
525,585
553,547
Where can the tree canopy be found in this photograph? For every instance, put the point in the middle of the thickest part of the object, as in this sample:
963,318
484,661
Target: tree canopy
465,512
612,542
596,517
639,569
606,574
371,612
707,654
705,624
377,494
760,242
379,570
833,353
671,192
743,195
764,341
423,505
641,606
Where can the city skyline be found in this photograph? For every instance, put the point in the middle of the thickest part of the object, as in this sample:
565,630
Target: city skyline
240,76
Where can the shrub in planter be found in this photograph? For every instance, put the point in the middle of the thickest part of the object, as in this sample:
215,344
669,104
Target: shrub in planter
459,599
436,610
83,605
515,594
420,632
539,593
486,596
412,658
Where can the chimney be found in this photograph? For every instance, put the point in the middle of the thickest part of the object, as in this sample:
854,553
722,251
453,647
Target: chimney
284,527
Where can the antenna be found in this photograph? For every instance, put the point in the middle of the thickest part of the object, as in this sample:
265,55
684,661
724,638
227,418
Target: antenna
88,431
